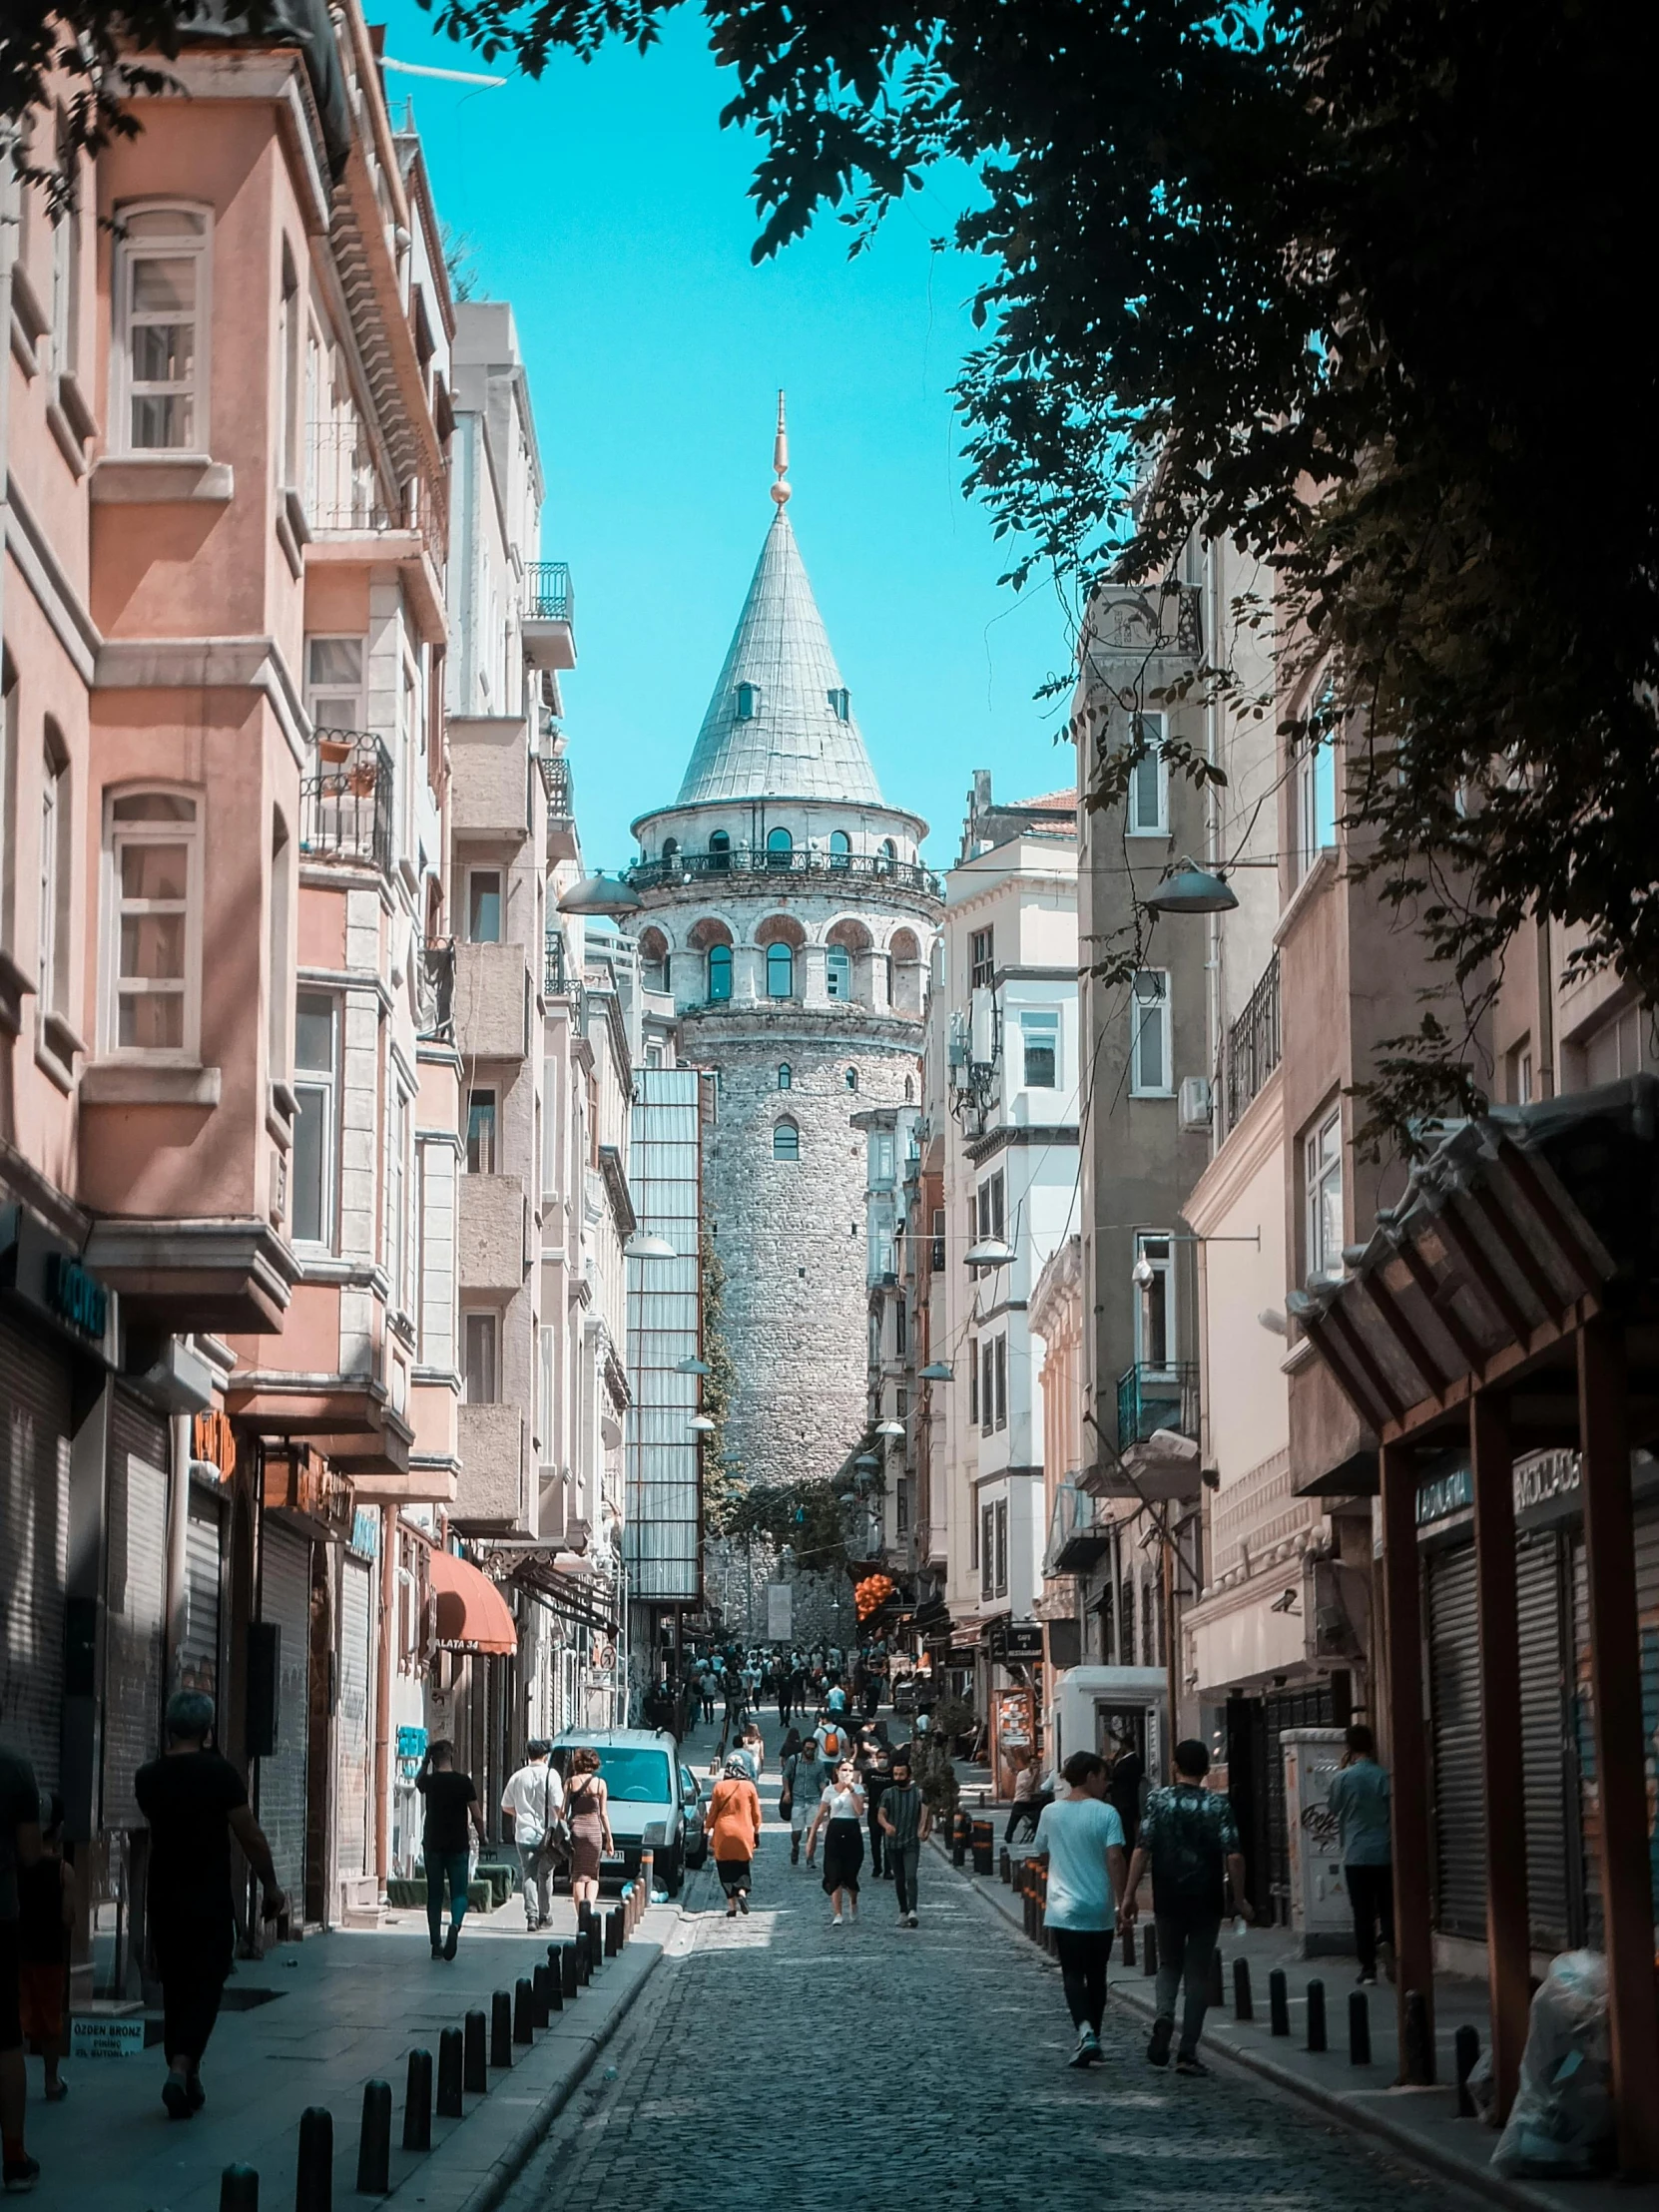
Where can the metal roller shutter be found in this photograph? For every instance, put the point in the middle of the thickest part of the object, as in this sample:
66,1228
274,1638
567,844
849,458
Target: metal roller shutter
1547,1780
1645,1536
353,1727
1455,1703
34,1544
135,1588
199,1652
286,1599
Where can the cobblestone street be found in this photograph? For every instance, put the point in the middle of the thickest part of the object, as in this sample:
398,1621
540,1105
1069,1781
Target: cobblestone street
779,2061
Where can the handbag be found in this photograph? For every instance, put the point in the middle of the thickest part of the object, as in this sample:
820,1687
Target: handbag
554,1848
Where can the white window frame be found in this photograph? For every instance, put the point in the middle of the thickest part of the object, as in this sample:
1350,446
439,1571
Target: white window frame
1155,1249
475,1098
1040,1025
129,252
117,837
472,876
491,1323
1153,729
324,1085
56,859
397,1238
1311,767
837,962
360,715
1322,1179
1144,1013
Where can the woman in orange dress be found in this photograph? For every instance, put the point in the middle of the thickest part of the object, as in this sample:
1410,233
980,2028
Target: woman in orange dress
733,1819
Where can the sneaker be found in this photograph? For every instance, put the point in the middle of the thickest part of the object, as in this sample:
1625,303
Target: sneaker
742,1901
1366,1979
176,2096
451,1941
915,1923
1188,2063
835,1921
1087,2053
21,2174
1157,2050
1386,1959
437,1950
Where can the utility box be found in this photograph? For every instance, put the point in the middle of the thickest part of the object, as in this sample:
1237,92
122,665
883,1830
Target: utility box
1319,1911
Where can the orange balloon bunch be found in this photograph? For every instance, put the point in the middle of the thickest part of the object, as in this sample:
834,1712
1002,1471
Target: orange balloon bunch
872,1593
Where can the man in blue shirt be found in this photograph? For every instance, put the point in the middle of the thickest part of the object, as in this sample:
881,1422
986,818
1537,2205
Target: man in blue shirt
1081,1839
1360,1799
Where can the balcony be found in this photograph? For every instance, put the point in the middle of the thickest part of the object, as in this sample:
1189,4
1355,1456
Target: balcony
1079,1536
492,1019
549,620
863,868
559,979
560,787
1154,1397
346,799
492,1233
490,1490
342,491
435,985
1253,1045
488,794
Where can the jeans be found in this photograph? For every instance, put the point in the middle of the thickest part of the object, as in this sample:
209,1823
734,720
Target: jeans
877,1837
1370,1892
1185,1943
538,1881
193,1963
1083,1954
456,1864
904,1859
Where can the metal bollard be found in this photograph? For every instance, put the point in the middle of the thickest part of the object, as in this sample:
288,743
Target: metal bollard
959,1838
584,1959
555,1980
239,2190
596,1944
475,2078
569,1982
541,1995
648,1878
501,2029
1004,1864
1316,2014
1359,2029
1243,2006
524,2010
417,2102
451,2072
1279,2001
1129,1945
375,2143
1218,1978
1416,2059
313,2181
1466,2047
982,1840
610,1936
1149,1948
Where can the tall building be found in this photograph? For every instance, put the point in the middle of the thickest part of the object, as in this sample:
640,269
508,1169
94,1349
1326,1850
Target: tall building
788,915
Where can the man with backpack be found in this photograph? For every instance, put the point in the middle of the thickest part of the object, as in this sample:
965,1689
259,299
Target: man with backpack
1189,1838
833,1739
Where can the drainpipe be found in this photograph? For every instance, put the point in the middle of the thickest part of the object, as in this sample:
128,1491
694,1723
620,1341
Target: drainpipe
177,1526
1546,1013
382,1695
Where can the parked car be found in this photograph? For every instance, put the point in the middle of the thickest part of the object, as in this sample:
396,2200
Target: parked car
697,1832
649,1801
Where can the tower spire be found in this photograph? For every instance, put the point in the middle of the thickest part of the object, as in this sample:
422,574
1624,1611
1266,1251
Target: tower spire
780,458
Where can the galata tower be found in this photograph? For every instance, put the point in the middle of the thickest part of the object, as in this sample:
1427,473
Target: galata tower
788,913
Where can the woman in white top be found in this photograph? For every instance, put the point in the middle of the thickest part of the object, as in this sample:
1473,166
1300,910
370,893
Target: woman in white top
840,1814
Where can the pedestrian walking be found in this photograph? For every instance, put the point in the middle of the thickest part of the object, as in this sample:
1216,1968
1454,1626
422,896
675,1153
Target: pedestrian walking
782,1682
45,1894
587,1810
1126,1789
708,1683
195,1802
833,1739
1359,1796
804,1780
841,1820
20,1849
875,1778
1080,1838
905,1822
534,1801
752,1749
451,1802
733,1819
1189,1838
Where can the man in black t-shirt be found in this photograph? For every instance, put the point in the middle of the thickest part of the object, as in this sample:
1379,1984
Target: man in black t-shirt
195,1802
450,1799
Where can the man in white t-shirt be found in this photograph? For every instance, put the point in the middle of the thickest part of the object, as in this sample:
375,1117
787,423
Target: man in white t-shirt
534,1797
1081,1837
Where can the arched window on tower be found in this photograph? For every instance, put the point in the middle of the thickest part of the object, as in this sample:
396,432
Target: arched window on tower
779,971
719,849
840,849
671,850
780,849
786,1076
837,972
909,1090
889,855
749,698
785,1141
852,1079
840,703
719,971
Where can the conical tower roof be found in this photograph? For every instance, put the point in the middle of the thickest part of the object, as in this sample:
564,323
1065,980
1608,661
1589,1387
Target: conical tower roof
779,724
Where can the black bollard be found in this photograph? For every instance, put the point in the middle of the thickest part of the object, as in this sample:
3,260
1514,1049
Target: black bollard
451,2069
501,2029
474,2073
1244,2008
611,1934
417,2102
1316,2014
958,1839
1466,2046
524,2010
569,1978
555,1980
1149,1948
1004,1864
313,2181
239,2190
1417,2056
1218,1982
584,1960
375,2143
541,2001
1129,1945
1359,2029
1279,2003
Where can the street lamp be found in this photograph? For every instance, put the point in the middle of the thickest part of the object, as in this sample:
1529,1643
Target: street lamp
643,1246
691,1364
701,1425
1189,890
991,1251
602,894
890,1428
937,1371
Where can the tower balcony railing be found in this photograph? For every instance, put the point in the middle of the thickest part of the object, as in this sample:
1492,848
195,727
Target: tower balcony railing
345,799
860,868
547,592
1151,1397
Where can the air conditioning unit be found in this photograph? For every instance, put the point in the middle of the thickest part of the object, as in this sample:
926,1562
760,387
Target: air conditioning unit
1194,1102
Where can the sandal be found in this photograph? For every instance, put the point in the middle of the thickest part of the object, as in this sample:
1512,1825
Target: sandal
56,2091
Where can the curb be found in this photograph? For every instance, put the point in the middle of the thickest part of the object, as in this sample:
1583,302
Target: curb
1411,2149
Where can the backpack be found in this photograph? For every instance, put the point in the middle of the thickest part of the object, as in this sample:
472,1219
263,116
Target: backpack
835,1744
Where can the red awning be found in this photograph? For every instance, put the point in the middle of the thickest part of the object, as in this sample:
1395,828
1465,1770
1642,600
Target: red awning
471,1611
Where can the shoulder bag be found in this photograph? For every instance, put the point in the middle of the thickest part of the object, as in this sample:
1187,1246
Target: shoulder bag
555,1829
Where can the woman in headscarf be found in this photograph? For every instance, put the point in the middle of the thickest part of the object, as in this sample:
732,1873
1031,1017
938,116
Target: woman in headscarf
734,1823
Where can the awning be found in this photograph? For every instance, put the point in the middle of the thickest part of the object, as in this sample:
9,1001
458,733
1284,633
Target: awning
583,1599
472,1614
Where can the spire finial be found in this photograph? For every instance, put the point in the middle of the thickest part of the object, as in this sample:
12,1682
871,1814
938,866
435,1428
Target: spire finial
780,458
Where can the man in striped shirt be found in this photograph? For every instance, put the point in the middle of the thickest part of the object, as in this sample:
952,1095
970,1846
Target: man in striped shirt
905,1821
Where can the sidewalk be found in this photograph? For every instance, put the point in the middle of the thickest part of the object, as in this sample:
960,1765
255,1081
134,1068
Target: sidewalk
343,2009
1420,2123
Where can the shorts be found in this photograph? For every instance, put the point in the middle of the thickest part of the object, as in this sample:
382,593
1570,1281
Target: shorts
40,2003
11,2025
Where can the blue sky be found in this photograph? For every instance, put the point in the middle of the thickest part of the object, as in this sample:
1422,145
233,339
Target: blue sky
606,205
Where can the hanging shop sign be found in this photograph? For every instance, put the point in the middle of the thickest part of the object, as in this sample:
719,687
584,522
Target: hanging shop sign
49,1277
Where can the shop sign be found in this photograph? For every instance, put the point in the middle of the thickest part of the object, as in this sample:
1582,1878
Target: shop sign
106,2038
366,1533
1539,1476
1438,1501
51,1277
1023,1641
77,1297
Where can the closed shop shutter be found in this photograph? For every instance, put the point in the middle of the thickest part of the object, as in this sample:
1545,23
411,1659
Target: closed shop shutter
1455,1703
199,1652
286,1599
34,1544
1645,1536
353,1730
1549,1784
135,1592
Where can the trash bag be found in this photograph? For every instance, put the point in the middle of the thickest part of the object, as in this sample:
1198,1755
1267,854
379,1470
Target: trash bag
1561,2123
1483,2089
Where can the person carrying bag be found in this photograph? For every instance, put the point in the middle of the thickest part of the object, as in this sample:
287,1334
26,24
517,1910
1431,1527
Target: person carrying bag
534,1797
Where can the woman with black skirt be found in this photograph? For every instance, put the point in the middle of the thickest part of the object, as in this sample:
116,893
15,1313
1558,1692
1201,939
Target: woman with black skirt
840,1816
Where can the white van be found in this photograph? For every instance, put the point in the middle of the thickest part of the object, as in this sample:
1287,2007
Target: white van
647,1800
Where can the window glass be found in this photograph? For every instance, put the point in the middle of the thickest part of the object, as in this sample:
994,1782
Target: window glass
1324,1149
1154,1304
480,1133
719,971
784,1075
483,906
780,846
837,972
841,701
779,971
1040,1035
154,871
719,849
747,700
334,683
480,1351
310,1167
1149,1071
981,959
1146,780
852,1079
785,1141
840,849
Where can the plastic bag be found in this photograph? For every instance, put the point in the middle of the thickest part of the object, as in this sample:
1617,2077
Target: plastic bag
1561,2122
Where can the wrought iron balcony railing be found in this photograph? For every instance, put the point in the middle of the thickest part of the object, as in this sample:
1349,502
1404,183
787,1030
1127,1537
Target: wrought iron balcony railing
559,978
346,799
560,787
342,490
436,988
547,593
1252,1044
1152,1397
865,868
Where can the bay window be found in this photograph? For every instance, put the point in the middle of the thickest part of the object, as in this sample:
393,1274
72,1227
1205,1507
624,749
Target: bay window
153,968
